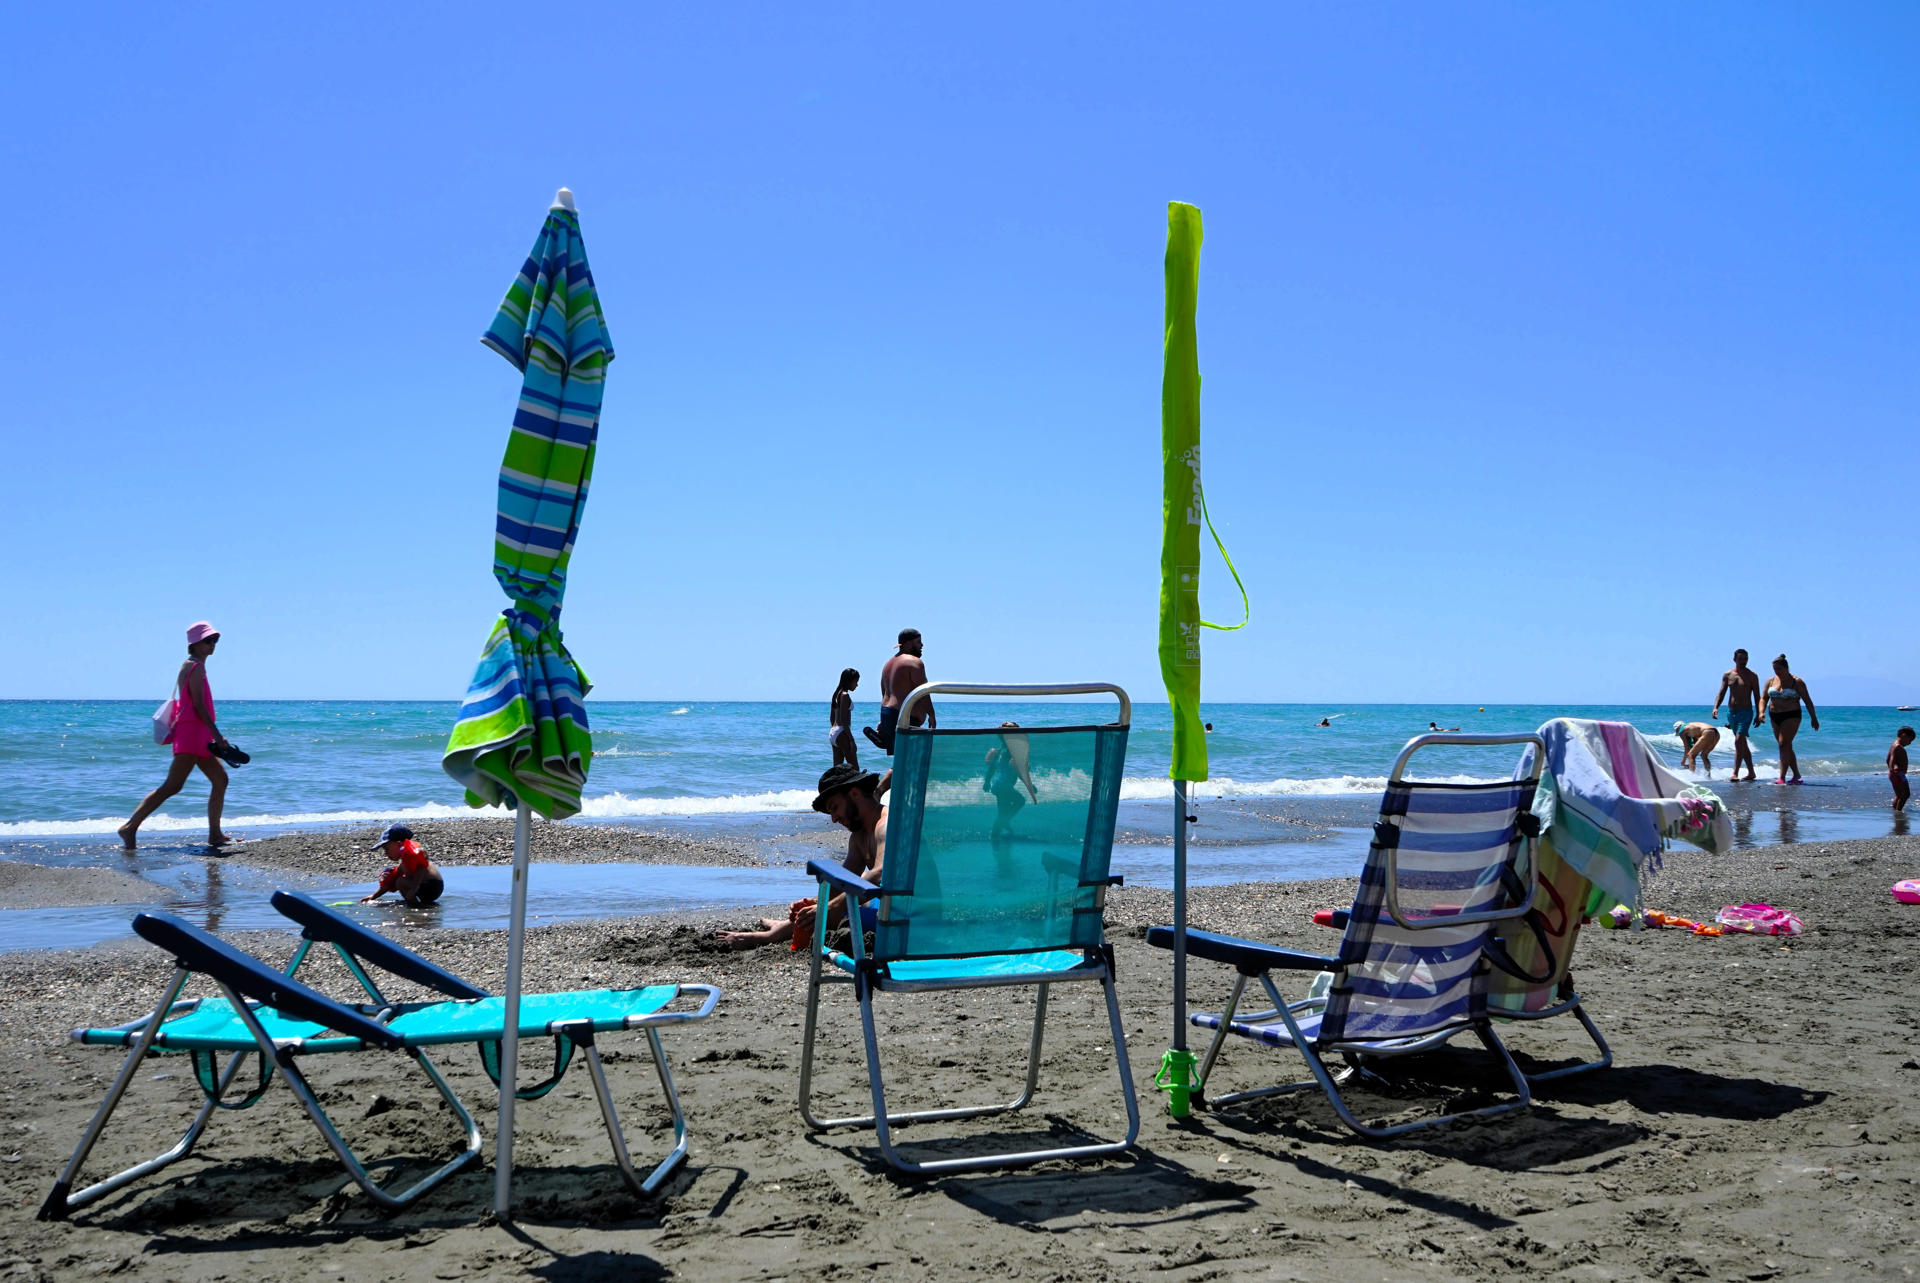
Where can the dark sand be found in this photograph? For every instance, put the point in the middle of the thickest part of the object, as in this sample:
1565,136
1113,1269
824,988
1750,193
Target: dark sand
34,886
1754,1126
347,851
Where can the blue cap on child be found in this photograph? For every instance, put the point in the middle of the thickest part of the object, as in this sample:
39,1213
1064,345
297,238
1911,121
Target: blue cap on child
394,833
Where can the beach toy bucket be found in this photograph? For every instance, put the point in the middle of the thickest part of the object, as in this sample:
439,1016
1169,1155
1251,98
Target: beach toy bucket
1907,891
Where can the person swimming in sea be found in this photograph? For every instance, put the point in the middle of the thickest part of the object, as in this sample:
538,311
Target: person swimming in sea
1434,726
414,876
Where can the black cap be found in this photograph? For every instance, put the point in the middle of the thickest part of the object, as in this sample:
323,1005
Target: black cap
394,833
838,779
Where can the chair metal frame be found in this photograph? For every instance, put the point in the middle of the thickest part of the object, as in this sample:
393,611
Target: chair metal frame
317,922
1252,959
283,1053
869,977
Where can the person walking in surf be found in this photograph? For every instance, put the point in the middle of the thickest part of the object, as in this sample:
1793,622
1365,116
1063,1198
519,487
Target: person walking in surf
1740,688
194,739
1780,705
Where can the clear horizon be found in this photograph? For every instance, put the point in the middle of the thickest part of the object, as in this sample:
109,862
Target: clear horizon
1544,349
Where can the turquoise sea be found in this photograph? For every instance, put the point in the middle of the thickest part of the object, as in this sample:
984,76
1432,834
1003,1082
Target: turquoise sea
76,768
1288,799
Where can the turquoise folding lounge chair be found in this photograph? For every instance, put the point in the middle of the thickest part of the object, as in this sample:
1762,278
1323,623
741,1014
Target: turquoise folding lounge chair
571,1019
1448,863
264,1012
985,882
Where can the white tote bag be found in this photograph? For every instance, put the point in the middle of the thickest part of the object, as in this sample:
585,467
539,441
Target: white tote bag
163,717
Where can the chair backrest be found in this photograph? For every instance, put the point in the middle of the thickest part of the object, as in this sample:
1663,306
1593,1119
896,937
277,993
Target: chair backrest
318,922
201,951
999,838
1448,862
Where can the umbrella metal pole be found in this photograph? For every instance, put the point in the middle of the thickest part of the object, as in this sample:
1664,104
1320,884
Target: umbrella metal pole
510,1036
1179,915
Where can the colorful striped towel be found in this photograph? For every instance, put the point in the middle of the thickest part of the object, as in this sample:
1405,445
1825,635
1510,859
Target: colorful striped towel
522,730
1611,804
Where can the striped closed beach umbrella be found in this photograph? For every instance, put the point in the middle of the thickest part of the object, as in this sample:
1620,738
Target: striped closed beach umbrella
522,731
521,739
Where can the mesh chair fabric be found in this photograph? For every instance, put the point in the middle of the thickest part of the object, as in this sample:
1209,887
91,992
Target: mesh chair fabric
998,841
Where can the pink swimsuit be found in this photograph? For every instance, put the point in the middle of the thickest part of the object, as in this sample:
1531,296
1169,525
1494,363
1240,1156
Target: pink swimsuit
192,736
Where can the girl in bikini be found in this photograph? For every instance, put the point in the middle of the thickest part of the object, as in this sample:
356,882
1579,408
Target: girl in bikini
1780,705
840,719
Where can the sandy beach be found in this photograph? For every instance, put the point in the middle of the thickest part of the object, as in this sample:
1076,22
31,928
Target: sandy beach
347,851
1754,1125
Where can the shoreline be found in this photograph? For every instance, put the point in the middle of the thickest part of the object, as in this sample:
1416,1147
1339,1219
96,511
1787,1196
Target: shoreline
1755,1123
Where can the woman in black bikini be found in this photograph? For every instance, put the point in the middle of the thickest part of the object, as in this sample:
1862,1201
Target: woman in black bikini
1780,705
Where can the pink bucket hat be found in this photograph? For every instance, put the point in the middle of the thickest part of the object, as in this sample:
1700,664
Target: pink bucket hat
200,632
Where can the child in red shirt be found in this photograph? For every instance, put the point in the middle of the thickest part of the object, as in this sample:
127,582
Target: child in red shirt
415,877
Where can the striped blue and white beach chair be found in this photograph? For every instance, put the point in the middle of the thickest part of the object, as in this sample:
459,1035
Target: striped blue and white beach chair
995,873
1448,863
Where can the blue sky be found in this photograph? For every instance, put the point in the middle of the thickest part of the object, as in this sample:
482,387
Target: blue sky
1550,351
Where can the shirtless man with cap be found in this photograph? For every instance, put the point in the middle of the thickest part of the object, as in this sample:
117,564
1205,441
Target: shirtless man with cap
850,798
903,673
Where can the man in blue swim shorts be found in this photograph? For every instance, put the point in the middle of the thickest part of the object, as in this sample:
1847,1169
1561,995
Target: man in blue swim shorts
902,674
1740,688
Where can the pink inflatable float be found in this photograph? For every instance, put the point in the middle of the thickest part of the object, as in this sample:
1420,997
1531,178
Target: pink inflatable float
1907,891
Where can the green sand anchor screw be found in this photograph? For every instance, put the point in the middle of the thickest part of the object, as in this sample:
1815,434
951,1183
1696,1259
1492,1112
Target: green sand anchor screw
1176,1079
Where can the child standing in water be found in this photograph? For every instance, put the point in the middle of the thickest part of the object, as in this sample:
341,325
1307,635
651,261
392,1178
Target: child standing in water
415,877
840,719
1897,767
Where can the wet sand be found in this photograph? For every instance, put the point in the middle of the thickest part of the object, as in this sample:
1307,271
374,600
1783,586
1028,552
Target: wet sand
346,852
1756,1124
33,886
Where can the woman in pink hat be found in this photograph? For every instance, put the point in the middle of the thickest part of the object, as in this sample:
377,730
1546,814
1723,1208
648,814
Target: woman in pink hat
194,738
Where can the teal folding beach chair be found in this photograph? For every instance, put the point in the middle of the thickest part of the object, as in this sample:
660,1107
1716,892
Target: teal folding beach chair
263,1012
994,873
572,1019
1449,863
276,1016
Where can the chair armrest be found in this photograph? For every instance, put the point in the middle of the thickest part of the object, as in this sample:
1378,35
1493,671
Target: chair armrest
836,876
1250,957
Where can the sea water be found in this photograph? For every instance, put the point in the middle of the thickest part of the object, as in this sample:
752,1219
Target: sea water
1287,798
79,767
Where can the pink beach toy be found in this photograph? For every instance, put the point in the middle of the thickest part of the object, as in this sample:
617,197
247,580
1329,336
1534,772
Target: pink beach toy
1759,920
1907,891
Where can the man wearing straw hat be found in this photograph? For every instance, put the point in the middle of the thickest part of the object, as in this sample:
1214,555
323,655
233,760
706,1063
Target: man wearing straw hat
850,798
